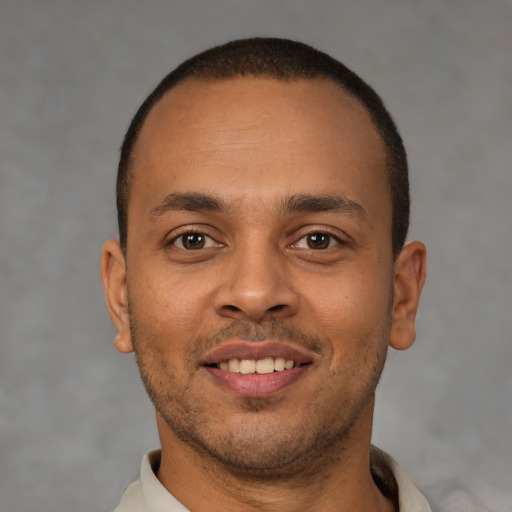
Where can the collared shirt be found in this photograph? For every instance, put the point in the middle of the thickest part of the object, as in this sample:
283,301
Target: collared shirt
147,494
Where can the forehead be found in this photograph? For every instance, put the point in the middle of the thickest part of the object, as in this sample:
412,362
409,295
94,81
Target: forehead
259,137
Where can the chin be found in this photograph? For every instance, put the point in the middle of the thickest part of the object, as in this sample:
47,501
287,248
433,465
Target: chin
261,448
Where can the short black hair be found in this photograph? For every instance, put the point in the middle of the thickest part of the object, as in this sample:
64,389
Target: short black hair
284,60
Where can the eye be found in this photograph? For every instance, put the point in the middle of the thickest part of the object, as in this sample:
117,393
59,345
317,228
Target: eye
193,241
317,241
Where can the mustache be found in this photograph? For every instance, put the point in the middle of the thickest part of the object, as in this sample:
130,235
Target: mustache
256,333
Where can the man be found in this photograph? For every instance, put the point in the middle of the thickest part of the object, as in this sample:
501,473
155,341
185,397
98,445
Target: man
260,276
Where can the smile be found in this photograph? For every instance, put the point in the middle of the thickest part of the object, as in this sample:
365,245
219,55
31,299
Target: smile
257,369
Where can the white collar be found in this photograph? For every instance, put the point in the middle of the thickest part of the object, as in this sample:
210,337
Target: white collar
148,495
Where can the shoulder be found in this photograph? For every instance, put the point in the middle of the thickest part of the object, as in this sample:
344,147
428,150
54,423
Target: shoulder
132,499
147,494
394,481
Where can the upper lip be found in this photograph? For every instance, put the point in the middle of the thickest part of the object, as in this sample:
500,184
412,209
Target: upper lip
255,351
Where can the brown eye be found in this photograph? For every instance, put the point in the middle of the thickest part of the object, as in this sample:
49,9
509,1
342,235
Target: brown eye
318,241
191,241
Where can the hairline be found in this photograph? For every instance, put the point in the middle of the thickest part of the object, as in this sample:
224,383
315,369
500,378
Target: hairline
129,176
285,61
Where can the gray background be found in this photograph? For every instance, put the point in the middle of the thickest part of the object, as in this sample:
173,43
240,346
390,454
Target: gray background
74,419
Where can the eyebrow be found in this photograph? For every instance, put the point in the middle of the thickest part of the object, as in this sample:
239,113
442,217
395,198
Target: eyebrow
194,202
323,203
301,203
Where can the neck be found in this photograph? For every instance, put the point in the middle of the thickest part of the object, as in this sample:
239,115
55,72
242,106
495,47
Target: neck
340,481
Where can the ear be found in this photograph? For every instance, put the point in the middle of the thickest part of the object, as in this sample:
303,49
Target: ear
409,277
113,275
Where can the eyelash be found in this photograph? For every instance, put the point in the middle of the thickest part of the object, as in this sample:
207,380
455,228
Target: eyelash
330,239
191,232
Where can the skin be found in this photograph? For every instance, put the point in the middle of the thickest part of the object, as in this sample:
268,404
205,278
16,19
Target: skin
255,145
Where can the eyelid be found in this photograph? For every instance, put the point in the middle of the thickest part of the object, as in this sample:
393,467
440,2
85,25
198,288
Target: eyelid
332,238
178,242
186,230
340,237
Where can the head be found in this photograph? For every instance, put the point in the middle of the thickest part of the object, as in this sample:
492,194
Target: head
258,193
283,60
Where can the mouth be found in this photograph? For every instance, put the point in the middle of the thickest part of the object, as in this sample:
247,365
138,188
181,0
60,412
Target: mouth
257,370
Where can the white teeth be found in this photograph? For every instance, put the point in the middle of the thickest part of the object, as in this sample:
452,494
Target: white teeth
247,366
265,365
259,366
234,365
279,363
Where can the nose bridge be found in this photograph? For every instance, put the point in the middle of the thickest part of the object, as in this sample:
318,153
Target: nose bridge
255,284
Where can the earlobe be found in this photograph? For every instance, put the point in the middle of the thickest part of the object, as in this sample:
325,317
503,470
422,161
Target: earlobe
113,275
409,277
123,343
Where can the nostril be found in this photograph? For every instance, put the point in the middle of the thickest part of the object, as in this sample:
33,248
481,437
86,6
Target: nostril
279,307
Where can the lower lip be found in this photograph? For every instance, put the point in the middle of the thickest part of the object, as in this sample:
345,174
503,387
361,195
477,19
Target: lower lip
255,385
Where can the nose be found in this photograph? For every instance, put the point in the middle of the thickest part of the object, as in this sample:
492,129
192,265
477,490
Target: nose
256,287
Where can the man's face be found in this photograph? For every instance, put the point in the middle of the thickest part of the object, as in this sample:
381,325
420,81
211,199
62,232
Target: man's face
259,230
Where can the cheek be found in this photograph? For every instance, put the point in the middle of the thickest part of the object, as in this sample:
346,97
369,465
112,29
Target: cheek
166,294
165,312
353,311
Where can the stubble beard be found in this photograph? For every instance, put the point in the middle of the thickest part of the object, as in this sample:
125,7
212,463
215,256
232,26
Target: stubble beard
252,454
